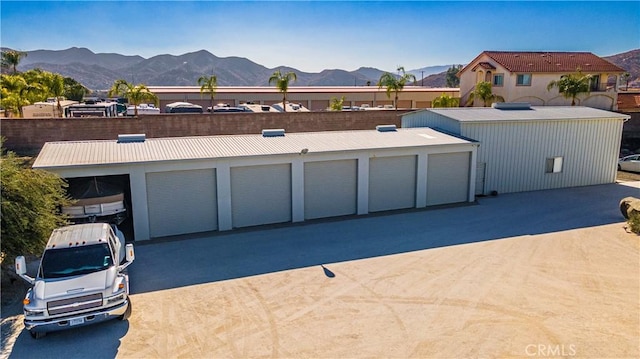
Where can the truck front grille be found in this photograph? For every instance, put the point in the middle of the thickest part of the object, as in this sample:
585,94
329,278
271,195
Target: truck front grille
74,304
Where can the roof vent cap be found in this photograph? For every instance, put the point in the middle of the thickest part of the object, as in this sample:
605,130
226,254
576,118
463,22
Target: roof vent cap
386,128
138,137
278,132
511,106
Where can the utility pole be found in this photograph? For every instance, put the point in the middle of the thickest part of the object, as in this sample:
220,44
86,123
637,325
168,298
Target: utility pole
422,81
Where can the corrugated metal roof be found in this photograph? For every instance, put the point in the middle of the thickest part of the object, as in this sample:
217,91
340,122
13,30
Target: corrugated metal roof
536,113
102,152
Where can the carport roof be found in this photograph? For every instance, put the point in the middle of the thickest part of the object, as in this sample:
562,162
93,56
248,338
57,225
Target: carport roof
108,152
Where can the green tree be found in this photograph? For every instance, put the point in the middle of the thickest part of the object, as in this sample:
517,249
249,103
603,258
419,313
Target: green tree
624,79
395,83
15,92
208,84
445,100
452,76
281,82
570,86
135,94
54,84
73,90
484,93
30,202
336,103
11,59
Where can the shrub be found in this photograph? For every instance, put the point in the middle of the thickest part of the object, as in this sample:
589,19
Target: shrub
30,207
634,222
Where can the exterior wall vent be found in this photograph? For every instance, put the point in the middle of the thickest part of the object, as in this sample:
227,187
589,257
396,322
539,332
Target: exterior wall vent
138,137
512,106
386,128
279,132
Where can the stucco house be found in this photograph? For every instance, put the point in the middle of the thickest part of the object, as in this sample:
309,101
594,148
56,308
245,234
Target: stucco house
524,76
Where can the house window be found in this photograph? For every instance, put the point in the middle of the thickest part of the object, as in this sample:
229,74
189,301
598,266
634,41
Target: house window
523,80
554,165
498,80
595,83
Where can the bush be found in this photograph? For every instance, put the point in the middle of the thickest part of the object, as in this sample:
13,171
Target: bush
634,222
30,207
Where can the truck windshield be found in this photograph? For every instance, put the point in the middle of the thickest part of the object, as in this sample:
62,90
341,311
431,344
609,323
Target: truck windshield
68,262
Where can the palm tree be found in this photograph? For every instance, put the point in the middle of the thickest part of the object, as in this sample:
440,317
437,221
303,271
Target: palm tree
445,100
135,94
483,92
209,85
336,103
282,83
624,78
15,91
572,85
55,86
452,76
11,58
395,83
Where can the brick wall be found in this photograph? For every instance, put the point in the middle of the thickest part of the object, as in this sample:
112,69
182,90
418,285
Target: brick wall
29,135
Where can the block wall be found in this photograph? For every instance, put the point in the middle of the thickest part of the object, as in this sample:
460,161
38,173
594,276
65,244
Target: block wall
29,135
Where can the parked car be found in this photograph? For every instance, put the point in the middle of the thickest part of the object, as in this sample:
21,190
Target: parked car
629,163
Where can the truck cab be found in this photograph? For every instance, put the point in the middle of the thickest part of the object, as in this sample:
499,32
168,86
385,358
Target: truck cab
81,279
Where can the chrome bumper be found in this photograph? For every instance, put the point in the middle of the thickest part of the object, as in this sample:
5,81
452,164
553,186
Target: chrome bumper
62,323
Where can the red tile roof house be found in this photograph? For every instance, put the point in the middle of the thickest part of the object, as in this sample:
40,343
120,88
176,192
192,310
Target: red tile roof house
524,76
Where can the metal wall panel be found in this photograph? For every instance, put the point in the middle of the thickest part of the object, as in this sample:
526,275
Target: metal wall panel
515,152
448,178
392,183
480,174
430,119
318,105
330,188
260,194
181,202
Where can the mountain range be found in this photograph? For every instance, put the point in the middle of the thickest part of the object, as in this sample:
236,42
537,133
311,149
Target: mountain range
98,71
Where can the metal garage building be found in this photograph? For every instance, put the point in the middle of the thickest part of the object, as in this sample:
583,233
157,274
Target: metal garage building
524,148
197,184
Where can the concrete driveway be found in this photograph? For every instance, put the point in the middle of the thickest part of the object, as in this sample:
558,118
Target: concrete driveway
537,274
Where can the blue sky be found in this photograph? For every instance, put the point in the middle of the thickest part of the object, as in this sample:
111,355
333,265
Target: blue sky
315,35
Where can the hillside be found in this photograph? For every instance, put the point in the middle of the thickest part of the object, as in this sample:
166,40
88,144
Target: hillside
98,71
630,61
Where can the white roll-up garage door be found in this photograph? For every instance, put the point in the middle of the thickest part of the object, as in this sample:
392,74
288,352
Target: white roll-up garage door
448,178
330,188
260,195
392,183
182,202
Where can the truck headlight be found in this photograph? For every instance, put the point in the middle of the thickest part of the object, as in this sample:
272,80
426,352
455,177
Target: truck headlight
33,312
115,298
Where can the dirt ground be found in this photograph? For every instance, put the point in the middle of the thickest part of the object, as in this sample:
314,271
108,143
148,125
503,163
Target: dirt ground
564,289
624,176
574,293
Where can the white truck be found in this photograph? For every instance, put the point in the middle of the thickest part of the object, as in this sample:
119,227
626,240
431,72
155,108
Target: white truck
81,279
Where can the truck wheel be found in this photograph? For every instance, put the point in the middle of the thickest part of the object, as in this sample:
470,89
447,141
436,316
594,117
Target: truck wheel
127,313
37,335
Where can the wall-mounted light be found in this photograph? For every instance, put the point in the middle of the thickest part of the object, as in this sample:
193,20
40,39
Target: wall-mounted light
304,151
